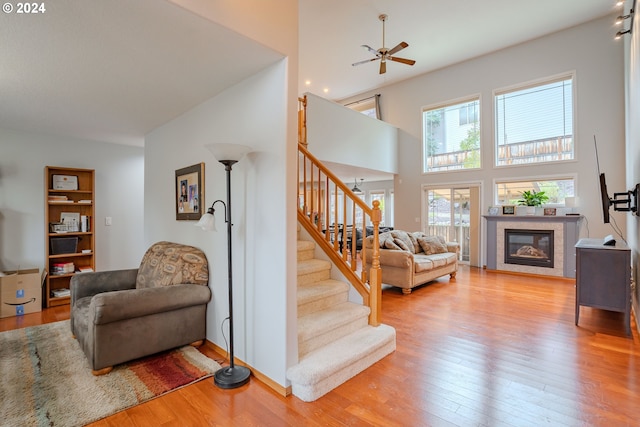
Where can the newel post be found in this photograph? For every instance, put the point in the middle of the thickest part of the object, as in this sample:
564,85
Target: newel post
375,273
302,121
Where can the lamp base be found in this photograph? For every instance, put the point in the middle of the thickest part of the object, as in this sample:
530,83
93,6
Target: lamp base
231,377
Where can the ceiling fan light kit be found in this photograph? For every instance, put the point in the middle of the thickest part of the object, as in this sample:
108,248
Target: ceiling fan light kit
383,54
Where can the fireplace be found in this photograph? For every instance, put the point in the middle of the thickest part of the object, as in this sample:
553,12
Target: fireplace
528,247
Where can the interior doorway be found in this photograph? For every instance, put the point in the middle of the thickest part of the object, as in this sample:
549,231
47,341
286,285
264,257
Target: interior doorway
453,212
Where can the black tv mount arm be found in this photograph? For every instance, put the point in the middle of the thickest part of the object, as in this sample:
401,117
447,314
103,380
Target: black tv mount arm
628,200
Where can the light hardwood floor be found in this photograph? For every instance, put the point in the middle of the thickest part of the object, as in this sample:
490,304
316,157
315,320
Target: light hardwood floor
487,349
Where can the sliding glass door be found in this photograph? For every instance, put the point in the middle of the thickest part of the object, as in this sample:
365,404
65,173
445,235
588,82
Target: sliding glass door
452,212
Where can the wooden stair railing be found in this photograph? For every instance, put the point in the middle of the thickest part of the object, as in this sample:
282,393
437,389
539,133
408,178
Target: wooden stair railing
331,213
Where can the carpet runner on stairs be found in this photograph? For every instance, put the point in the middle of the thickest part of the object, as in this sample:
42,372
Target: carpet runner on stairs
335,342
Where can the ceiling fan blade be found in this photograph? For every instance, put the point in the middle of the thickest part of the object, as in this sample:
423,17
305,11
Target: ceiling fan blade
398,48
364,62
403,60
370,49
383,67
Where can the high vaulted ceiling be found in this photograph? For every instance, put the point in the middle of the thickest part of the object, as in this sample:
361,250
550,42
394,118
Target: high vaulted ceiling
113,70
439,33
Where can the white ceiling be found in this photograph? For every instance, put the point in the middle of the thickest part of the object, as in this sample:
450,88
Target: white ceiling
113,70
439,33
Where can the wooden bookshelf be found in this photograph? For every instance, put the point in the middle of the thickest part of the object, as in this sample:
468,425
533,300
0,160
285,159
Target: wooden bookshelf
71,242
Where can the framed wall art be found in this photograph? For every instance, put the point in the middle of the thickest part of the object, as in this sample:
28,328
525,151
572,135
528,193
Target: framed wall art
508,210
190,192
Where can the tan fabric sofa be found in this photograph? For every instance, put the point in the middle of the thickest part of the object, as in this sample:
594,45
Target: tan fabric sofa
405,263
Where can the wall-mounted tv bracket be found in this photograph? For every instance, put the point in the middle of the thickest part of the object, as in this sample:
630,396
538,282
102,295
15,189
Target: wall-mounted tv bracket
626,202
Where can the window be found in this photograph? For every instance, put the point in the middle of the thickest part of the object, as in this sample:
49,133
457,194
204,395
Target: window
534,124
451,136
468,114
368,106
509,192
378,195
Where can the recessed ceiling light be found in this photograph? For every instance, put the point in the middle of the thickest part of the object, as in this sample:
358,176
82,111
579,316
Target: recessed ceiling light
325,90
307,82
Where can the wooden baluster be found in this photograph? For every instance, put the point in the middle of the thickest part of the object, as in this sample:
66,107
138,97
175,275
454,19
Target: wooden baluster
319,207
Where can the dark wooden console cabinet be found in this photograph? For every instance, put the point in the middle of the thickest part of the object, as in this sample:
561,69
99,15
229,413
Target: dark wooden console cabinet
603,278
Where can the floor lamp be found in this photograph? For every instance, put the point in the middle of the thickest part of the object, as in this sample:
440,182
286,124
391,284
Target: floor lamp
231,376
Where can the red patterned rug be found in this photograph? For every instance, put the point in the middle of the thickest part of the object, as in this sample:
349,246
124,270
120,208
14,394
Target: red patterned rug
46,380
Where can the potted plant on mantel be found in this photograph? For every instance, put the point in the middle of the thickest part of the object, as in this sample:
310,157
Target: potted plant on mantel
531,200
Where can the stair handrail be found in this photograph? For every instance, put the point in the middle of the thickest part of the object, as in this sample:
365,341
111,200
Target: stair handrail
317,186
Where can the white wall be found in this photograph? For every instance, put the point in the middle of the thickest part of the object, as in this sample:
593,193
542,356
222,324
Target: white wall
258,204
261,112
119,194
588,49
341,135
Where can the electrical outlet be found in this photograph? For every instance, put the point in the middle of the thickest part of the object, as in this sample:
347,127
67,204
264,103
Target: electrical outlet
107,220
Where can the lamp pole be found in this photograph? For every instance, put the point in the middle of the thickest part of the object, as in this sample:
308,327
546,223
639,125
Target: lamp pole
231,376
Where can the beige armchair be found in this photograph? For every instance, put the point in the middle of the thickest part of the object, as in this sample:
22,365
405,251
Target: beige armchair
121,315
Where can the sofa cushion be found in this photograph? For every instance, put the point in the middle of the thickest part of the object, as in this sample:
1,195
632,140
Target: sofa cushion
166,264
422,263
432,245
440,260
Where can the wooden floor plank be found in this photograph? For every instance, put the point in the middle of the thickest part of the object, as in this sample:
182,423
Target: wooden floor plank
486,349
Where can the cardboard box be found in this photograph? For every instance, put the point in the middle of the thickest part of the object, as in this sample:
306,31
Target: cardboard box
20,292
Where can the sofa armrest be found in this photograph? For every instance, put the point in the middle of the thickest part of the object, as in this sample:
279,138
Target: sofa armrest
90,284
453,247
128,304
396,258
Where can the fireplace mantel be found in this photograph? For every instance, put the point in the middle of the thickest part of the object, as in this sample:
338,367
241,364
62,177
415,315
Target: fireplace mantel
565,243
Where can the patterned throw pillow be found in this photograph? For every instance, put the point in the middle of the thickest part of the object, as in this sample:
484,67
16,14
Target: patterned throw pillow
390,244
401,244
403,237
167,263
432,244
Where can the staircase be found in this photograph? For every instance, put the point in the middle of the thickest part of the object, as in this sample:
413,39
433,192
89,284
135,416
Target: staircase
335,341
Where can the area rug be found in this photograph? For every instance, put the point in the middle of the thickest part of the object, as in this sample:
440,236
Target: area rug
45,379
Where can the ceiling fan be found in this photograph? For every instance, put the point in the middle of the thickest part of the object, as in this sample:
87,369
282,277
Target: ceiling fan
383,54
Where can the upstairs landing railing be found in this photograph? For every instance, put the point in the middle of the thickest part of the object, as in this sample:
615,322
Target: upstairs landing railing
332,214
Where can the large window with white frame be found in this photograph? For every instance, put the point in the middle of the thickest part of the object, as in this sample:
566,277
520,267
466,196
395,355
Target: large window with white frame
391,210
508,192
534,123
451,136
378,195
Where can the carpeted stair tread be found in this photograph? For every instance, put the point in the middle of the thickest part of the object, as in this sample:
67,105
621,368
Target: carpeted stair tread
305,250
324,369
320,290
320,322
304,245
310,266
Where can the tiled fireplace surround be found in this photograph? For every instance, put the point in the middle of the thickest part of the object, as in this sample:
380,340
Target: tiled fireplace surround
566,234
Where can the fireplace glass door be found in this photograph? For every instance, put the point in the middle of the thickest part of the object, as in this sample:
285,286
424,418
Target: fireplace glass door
528,247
